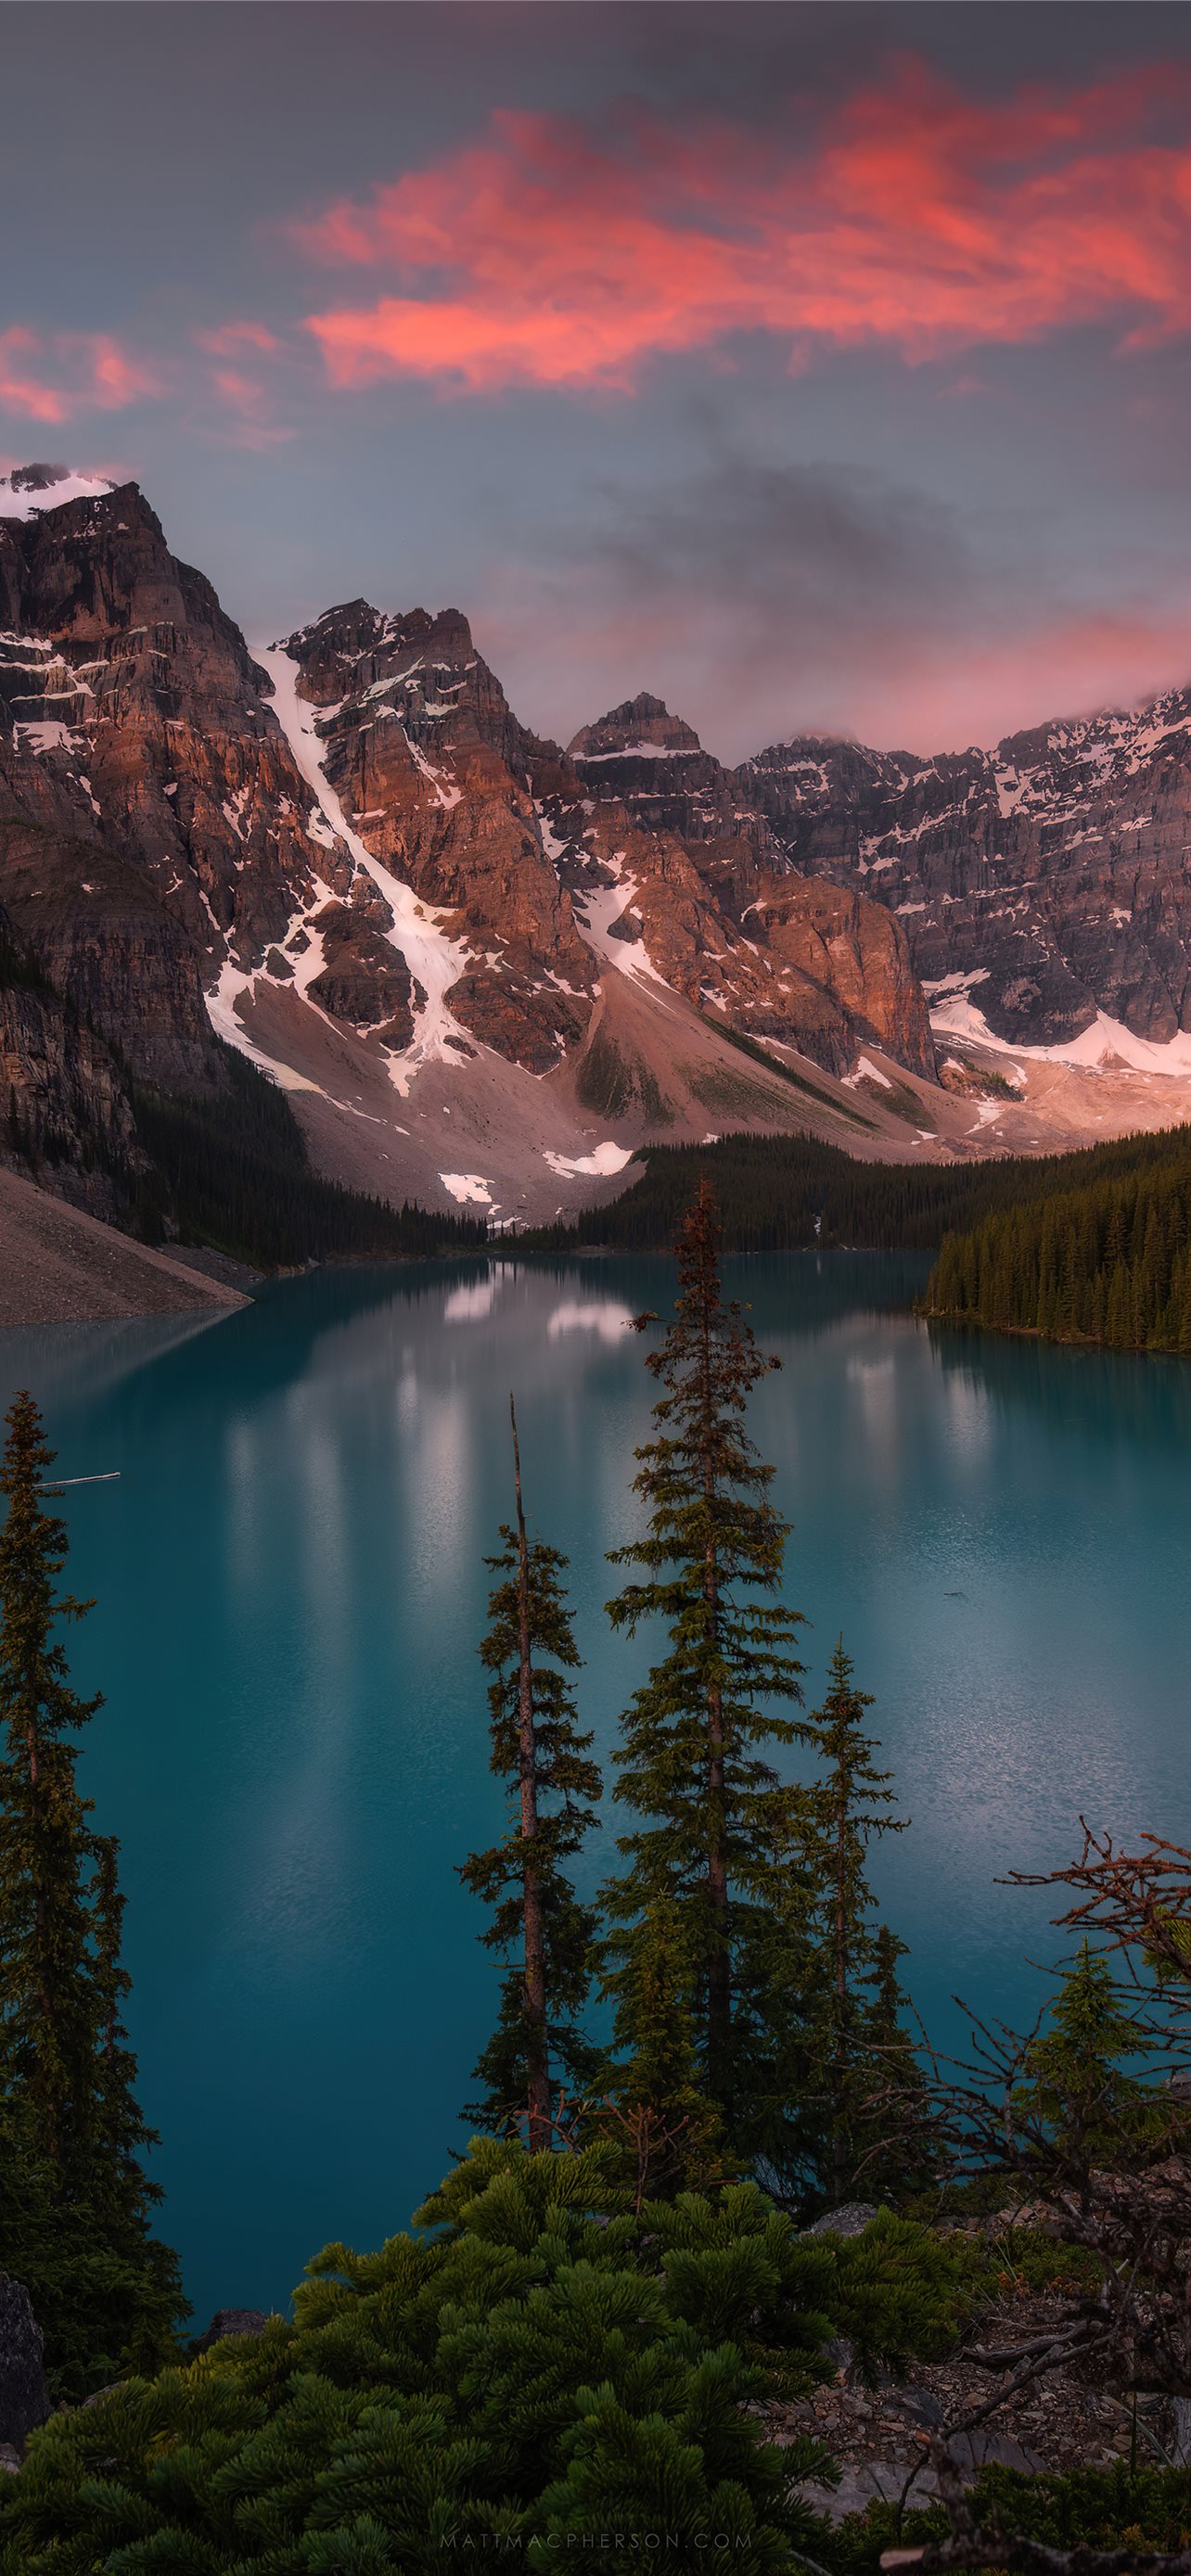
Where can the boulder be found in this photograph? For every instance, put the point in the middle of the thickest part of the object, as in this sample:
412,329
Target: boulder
867,2482
850,2219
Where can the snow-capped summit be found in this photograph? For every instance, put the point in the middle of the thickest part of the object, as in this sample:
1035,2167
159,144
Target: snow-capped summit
33,488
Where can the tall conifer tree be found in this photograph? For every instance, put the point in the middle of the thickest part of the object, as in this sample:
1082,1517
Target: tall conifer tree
539,1923
74,2199
854,2037
692,1759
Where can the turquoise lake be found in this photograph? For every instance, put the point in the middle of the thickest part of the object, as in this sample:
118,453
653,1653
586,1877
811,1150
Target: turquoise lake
291,1587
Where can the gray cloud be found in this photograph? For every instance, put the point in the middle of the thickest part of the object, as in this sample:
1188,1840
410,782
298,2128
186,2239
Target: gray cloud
753,595
787,541
766,600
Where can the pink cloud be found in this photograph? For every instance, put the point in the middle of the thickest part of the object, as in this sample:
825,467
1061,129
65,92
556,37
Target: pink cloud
242,391
230,339
51,376
249,408
916,218
20,388
1072,663
890,670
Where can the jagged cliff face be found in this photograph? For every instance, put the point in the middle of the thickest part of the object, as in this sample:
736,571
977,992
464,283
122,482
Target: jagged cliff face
435,778
354,829
723,913
1048,877
94,920
656,766
129,722
65,1113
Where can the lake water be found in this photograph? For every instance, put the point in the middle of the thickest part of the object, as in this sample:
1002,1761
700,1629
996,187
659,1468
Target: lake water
294,1751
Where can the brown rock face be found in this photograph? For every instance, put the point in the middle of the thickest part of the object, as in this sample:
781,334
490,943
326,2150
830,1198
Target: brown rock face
413,867
1051,871
174,823
137,732
97,926
851,950
641,756
65,1114
436,776
723,916
363,980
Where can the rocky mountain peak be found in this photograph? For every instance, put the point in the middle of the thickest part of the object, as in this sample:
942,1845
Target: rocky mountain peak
642,757
642,729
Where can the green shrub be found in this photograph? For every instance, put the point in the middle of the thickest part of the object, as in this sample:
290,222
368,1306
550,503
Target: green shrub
536,2361
1147,2509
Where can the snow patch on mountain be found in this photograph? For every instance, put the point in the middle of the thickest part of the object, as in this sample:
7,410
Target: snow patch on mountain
1105,1043
435,962
637,751
596,908
606,1158
23,498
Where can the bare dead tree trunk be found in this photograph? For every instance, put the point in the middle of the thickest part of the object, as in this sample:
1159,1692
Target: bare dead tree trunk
1180,2447
538,2084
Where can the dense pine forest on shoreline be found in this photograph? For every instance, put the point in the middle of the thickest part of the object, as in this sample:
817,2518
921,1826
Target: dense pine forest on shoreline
1108,1264
794,1193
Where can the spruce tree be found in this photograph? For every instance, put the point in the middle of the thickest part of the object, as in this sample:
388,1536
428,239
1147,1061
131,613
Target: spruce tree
854,2033
667,2134
1077,2100
74,2199
692,1758
539,1923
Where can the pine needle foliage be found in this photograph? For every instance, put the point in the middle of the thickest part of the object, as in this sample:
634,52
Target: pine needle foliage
1078,2094
855,2039
700,1859
1135,2508
74,2199
539,1924
1108,1263
537,2362
781,1193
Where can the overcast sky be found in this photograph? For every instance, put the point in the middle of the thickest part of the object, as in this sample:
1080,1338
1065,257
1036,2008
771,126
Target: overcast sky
819,368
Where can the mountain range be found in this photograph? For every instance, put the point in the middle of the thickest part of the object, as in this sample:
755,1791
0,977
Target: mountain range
483,968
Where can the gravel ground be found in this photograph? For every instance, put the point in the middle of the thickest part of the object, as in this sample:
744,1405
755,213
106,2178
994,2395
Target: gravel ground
58,1266
880,2437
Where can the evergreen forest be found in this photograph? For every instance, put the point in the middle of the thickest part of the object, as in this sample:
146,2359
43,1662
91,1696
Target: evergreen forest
793,1193
1108,1262
716,2172
231,1170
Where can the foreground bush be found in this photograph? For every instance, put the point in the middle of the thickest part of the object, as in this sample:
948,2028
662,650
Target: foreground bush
1142,2509
539,2363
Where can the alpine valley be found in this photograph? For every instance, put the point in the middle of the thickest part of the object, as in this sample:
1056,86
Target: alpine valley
485,970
